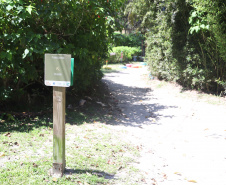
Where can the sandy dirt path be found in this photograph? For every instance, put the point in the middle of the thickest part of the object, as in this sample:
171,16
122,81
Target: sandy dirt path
182,136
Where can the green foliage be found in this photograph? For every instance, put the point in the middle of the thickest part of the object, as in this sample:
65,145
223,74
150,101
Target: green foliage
128,53
141,12
186,40
198,22
131,40
208,19
29,29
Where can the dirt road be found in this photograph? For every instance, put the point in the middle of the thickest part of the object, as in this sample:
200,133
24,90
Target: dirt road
182,135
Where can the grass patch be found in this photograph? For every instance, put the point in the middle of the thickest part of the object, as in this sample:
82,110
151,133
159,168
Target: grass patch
94,154
161,84
111,68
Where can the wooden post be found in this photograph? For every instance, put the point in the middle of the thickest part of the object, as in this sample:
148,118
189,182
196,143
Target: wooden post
59,99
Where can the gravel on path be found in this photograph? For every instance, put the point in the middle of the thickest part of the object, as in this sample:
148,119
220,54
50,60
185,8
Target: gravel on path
182,134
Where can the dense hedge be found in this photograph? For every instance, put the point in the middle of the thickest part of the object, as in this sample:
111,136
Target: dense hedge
29,29
186,40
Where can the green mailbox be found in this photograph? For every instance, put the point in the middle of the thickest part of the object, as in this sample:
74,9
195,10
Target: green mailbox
59,70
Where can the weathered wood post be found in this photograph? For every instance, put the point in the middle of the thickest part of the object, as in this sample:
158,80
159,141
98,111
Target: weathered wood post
59,99
59,70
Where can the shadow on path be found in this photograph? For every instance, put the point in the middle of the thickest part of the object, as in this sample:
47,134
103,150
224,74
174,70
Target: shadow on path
136,104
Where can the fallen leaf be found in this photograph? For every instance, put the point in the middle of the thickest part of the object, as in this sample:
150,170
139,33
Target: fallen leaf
143,180
194,181
177,173
88,156
8,134
110,162
35,165
79,182
55,179
2,154
206,129
120,168
164,176
155,182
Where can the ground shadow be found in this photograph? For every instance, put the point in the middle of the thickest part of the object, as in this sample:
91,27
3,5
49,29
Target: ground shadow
24,124
135,104
111,103
69,171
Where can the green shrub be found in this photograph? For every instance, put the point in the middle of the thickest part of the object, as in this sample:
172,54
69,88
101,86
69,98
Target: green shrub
29,29
128,53
186,40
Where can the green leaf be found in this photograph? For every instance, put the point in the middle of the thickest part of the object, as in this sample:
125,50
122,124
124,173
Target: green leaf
194,14
9,7
9,55
26,51
29,9
2,54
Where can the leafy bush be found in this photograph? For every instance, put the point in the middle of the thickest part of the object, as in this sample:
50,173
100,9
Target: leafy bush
29,29
186,40
128,53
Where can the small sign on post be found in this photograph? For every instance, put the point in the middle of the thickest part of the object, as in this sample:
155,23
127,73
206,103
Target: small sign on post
59,69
